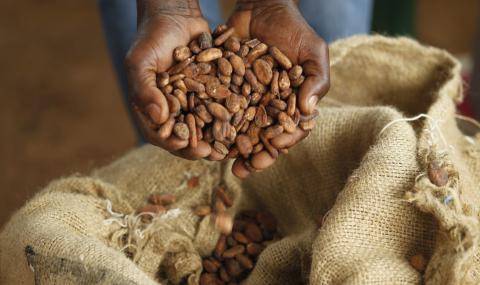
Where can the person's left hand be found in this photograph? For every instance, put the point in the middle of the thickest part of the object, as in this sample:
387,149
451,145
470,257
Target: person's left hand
279,23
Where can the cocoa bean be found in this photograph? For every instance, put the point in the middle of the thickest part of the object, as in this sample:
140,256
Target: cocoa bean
256,97
177,68
253,133
205,40
233,267
263,71
253,232
233,251
204,68
220,147
298,81
237,80
224,275
162,199
254,249
245,127
223,37
274,84
209,55
292,104
279,104
194,47
241,238
295,72
283,81
272,131
176,77
179,84
261,117
252,43
244,261
233,103
181,53
193,85
224,67
190,120
244,145
243,51
202,210
286,122
225,79
280,57
191,71
256,52
219,112
181,131
216,90
232,44
257,148
209,266
269,147
221,246
154,209
237,65
285,93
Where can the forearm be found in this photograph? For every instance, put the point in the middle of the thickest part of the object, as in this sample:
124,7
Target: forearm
149,8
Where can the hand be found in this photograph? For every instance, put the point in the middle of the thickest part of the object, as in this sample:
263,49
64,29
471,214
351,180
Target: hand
279,23
162,26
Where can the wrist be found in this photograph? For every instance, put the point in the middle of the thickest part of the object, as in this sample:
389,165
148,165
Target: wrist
150,8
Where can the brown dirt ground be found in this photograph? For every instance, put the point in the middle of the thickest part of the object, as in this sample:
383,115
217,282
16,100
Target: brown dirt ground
61,109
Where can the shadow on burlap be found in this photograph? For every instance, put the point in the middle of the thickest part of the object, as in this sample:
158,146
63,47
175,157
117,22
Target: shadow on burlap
364,167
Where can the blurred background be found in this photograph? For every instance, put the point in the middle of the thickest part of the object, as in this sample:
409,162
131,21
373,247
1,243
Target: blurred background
62,111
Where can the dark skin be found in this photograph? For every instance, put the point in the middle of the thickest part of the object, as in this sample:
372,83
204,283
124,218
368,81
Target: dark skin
164,25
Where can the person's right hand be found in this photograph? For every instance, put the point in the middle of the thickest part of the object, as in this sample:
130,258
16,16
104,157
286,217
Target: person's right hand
162,26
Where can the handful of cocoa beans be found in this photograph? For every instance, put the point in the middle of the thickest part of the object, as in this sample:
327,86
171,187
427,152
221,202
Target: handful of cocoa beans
235,254
235,94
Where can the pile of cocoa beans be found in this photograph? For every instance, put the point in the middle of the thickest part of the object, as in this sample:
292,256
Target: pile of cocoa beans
235,254
235,94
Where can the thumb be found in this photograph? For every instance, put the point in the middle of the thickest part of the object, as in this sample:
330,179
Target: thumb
316,68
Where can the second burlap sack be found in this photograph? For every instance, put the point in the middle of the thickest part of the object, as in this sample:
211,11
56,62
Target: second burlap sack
364,168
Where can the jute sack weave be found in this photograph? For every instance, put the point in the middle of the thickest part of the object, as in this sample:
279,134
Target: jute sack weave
389,115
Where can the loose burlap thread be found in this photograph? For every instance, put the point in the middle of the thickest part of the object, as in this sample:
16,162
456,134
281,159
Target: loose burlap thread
363,168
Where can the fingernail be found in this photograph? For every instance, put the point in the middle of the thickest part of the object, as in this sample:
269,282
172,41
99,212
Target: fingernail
312,102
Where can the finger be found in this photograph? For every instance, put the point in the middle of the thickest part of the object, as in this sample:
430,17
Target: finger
239,169
141,71
317,82
147,128
174,144
286,140
202,150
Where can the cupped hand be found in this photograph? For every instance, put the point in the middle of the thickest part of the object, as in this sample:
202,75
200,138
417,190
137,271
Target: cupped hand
279,23
160,30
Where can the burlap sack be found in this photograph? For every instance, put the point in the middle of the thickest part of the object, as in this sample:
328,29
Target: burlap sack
390,113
